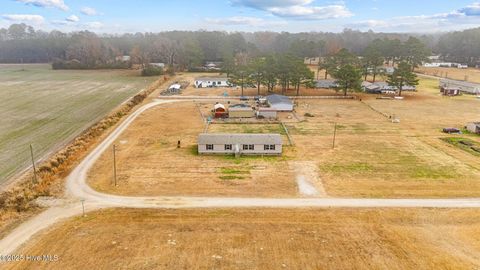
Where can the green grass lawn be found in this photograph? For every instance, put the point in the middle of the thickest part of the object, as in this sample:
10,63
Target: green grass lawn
467,145
47,108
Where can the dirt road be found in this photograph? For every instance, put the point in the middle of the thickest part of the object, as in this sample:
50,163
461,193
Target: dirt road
78,191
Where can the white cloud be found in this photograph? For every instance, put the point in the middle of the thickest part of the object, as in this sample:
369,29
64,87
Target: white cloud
297,9
25,18
471,10
455,20
60,4
312,13
239,20
89,11
72,18
264,4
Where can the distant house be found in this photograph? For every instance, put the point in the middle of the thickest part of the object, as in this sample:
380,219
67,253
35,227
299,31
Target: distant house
240,144
383,87
312,61
123,58
434,58
159,65
213,65
267,113
465,87
219,111
241,111
209,82
387,70
280,103
474,127
326,84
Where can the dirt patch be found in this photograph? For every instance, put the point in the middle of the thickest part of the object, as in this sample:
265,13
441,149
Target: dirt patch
308,181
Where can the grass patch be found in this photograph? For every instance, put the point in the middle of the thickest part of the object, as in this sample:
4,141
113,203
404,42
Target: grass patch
243,159
229,173
348,168
233,171
425,172
193,150
465,144
231,177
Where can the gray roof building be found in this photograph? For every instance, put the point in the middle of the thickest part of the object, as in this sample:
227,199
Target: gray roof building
466,87
280,103
327,84
240,144
474,127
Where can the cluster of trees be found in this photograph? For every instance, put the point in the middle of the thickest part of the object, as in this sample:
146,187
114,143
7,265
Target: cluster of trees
461,47
376,54
348,68
21,42
283,70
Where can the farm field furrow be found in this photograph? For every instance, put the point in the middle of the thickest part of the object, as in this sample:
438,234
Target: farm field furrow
47,108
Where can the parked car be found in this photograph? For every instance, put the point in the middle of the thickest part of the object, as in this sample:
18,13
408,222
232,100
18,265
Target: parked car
244,98
452,131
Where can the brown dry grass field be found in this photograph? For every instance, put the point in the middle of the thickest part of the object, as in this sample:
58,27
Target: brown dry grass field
373,157
149,162
470,74
262,239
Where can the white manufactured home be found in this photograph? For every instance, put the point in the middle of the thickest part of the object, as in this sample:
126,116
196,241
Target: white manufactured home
240,144
209,82
464,87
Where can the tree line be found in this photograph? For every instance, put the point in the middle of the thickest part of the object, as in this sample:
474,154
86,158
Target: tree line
187,49
275,70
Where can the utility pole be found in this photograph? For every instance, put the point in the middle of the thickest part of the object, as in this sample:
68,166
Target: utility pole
33,165
83,207
334,135
114,165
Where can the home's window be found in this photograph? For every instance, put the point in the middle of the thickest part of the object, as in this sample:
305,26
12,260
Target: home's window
209,146
248,147
269,147
228,147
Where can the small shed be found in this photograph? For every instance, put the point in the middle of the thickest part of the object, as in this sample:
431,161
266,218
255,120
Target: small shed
267,113
474,127
219,111
450,91
240,144
280,103
175,88
241,111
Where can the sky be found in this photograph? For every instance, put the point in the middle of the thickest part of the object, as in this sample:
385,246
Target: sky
130,16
